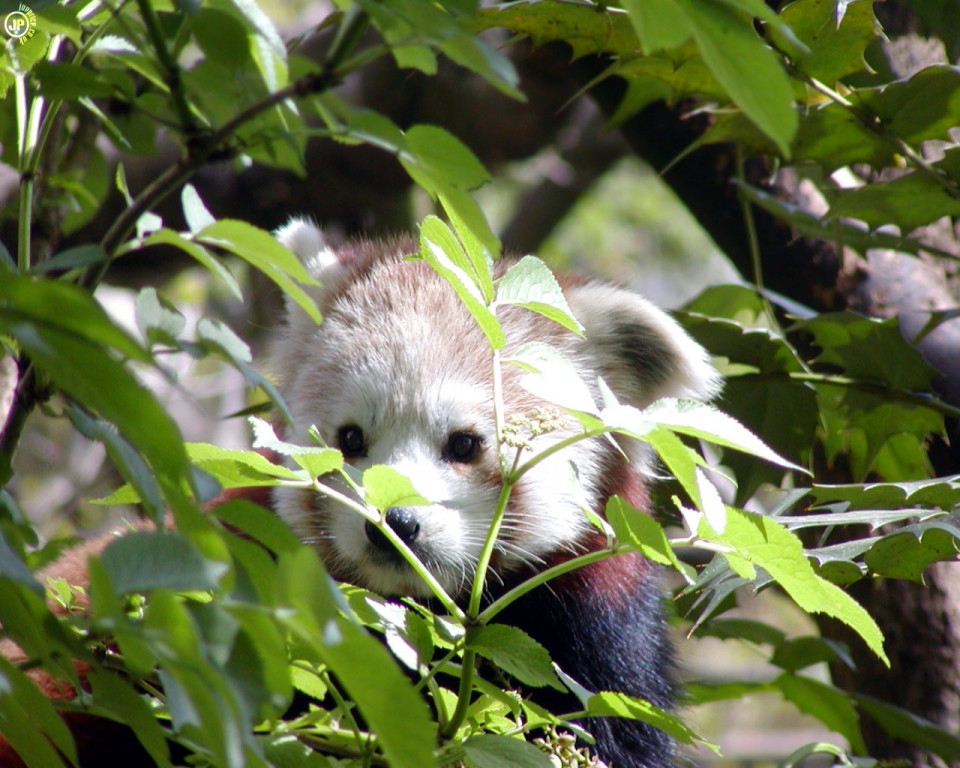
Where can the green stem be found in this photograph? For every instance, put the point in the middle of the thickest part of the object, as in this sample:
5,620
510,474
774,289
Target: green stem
483,562
915,398
543,577
169,66
467,671
746,210
372,516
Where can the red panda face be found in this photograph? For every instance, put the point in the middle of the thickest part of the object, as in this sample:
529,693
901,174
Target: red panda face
399,374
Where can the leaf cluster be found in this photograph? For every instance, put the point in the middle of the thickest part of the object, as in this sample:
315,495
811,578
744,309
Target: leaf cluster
202,631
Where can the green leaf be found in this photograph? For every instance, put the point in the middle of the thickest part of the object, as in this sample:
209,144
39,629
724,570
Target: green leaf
705,422
608,703
261,250
903,725
130,463
316,461
439,159
942,492
659,23
922,107
762,542
234,468
148,560
442,251
72,258
516,653
529,283
198,253
118,697
909,201
383,694
835,50
829,705
91,375
747,68
906,555
642,531
64,307
385,487
488,750
802,652
31,724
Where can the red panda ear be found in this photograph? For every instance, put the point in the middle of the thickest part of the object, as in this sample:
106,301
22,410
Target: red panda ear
642,353
321,260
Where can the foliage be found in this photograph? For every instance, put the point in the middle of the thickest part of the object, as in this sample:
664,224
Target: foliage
199,636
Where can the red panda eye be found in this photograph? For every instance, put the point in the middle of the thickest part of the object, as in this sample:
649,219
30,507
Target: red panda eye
462,447
351,441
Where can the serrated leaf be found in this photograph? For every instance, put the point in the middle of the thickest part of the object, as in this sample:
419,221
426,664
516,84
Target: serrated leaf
385,487
633,526
835,50
906,555
515,652
234,468
763,543
608,703
529,283
942,492
909,201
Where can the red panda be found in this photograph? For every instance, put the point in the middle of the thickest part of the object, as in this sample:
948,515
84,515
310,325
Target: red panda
399,374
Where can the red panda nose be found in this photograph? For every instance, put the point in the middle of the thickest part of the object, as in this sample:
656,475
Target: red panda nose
403,521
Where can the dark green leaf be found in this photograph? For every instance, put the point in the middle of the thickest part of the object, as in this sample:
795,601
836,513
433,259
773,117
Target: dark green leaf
514,651
31,724
835,50
829,705
907,554
904,725
147,560
491,751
